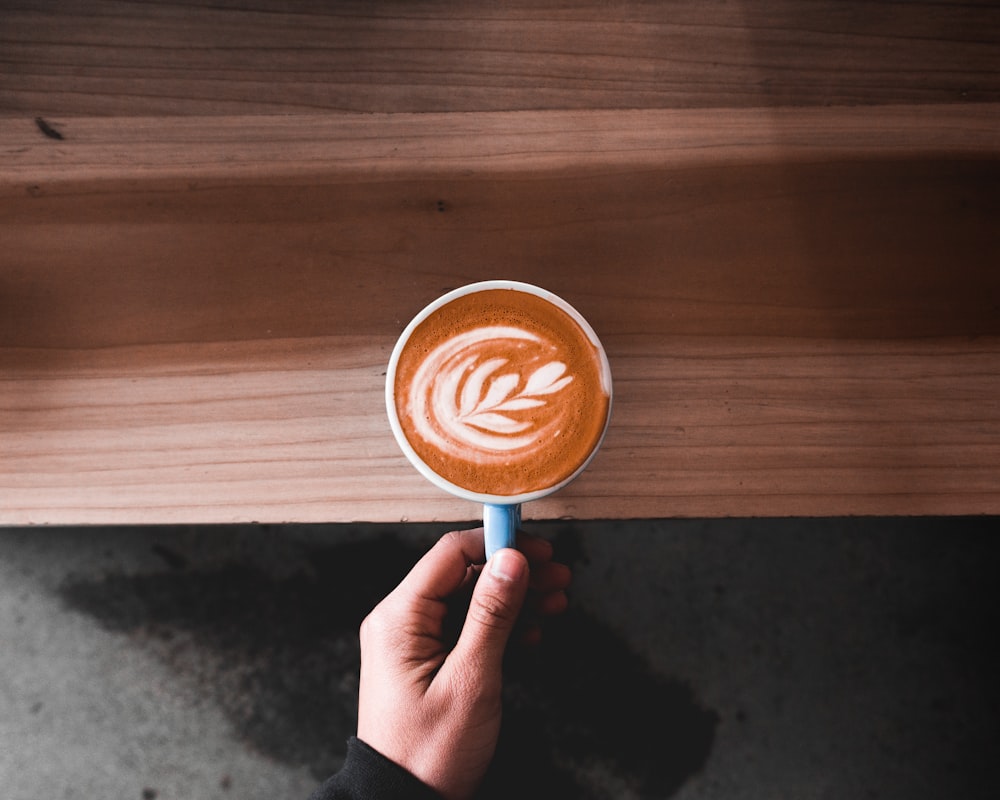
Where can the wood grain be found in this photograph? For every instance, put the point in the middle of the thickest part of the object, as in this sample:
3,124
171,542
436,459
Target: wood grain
294,430
93,57
215,219
800,307
879,225
365,148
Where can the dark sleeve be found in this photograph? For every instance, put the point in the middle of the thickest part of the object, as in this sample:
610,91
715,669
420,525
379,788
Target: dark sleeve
368,775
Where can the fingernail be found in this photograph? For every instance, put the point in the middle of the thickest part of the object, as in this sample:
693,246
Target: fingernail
507,565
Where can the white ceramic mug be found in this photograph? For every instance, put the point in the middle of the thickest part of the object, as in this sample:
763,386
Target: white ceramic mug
518,385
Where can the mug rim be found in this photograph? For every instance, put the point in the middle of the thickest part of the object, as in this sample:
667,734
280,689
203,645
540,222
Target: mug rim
390,382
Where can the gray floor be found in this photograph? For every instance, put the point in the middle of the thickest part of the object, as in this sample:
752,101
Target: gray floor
700,661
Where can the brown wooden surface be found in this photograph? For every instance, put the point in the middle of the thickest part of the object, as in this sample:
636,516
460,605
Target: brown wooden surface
87,57
704,426
198,294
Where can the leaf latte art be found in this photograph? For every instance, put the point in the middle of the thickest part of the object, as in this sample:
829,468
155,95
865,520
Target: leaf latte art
467,401
499,392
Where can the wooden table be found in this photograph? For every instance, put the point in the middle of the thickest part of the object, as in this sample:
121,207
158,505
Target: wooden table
783,220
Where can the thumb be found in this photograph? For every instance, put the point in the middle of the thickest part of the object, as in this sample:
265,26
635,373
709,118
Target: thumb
494,608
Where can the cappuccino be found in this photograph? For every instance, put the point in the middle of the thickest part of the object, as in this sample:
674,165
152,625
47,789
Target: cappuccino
501,392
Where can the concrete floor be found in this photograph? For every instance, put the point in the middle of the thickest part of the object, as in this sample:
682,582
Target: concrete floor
702,660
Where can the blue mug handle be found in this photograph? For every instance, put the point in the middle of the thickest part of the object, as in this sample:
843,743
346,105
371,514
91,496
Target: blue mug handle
500,523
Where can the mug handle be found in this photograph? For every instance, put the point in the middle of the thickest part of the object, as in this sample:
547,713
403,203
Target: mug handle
500,523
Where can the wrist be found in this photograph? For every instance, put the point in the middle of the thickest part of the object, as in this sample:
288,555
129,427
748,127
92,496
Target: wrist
378,777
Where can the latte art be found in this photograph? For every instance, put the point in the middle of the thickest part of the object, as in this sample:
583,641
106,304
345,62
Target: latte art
499,392
473,402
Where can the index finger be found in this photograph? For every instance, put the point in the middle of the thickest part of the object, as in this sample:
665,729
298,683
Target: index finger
443,569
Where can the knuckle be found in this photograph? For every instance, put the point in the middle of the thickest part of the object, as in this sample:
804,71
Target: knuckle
492,611
375,625
452,536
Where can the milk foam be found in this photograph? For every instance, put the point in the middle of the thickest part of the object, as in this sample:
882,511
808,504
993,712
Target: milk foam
487,392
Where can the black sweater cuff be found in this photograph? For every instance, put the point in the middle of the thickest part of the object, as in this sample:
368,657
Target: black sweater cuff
368,775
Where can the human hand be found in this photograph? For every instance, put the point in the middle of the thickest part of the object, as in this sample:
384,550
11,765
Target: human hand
431,704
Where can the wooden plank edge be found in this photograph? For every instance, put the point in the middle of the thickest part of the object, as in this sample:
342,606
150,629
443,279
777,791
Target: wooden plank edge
370,147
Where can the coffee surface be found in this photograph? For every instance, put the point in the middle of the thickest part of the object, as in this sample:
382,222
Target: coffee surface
501,392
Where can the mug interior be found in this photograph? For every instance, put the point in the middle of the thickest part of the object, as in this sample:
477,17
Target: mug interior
393,414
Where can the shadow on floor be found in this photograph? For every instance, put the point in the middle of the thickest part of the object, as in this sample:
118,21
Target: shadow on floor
275,643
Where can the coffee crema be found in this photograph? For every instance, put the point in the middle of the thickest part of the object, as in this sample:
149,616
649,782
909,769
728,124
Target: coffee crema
502,393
